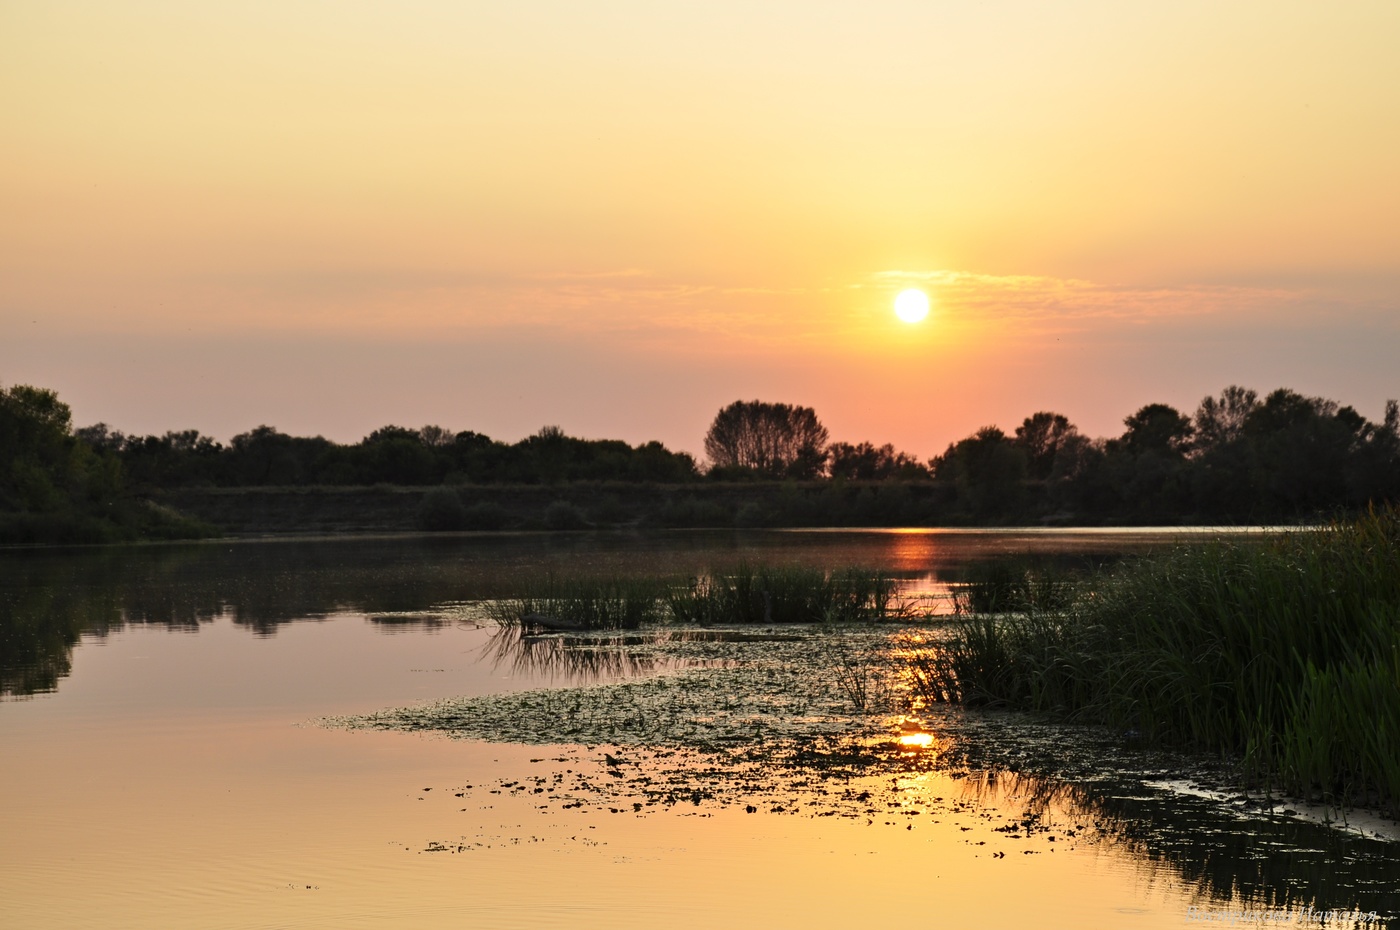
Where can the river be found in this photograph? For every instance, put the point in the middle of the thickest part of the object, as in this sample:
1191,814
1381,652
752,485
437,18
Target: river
169,761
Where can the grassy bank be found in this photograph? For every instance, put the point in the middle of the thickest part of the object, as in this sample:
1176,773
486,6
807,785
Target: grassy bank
120,520
577,505
1285,653
583,505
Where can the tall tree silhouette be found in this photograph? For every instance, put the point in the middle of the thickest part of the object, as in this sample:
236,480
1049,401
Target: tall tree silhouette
770,439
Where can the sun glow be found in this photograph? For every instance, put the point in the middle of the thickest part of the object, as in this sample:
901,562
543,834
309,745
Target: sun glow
913,735
911,306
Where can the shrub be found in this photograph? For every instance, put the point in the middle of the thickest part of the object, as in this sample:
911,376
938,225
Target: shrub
441,509
485,515
562,515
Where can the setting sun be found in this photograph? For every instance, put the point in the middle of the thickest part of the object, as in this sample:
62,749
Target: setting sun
911,306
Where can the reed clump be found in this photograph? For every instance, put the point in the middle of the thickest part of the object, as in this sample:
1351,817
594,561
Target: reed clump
584,603
748,594
1003,585
789,594
1285,652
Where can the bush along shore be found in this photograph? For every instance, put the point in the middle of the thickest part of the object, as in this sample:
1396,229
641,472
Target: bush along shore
1283,654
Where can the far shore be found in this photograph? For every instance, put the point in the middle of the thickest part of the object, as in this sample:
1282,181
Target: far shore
812,506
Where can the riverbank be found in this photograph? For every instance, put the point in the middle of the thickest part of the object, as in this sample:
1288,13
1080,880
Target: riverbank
316,510
576,505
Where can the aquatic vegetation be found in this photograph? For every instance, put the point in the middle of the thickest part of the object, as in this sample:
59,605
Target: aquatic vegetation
1284,652
747,595
758,720
759,689
789,594
578,657
863,675
1011,585
584,603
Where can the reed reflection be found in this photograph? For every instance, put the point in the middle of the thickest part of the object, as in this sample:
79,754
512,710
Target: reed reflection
593,657
579,659
1256,863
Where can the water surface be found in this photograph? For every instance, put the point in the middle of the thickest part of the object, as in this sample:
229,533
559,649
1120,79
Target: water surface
163,766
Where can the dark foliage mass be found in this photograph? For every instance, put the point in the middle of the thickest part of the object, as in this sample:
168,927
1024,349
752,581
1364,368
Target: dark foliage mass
56,488
1237,458
264,457
771,440
864,462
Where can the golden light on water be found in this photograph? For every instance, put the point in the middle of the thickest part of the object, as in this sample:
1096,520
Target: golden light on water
913,735
911,305
916,740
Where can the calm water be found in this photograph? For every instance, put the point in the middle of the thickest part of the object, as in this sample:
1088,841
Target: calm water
162,767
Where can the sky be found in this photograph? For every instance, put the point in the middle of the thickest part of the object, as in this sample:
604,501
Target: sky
618,217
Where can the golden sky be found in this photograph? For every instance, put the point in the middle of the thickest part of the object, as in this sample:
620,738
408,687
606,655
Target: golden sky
619,216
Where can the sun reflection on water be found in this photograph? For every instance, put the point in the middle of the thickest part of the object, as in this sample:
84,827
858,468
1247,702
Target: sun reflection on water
914,736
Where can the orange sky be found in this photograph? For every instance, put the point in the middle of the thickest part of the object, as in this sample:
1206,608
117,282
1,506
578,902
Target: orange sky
618,217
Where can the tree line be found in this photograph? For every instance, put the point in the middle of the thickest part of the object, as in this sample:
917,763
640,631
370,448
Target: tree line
390,455
54,487
1238,457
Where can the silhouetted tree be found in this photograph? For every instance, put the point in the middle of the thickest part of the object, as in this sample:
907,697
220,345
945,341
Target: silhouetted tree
264,456
395,455
1041,436
989,471
1304,447
99,436
36,463
174,460
770,439
435,436
1147,464
1375,467
1157,428
865,462
652,461
1221,420
43,467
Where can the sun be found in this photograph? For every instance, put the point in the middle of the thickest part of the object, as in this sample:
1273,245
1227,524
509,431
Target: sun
911,306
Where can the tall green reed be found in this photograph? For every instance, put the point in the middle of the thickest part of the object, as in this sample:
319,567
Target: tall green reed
788,594
748,594
1284,651
585,603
